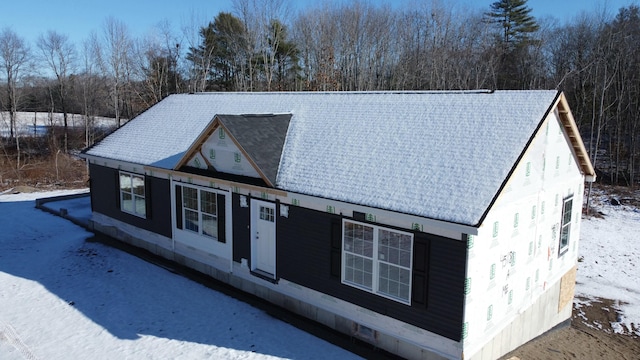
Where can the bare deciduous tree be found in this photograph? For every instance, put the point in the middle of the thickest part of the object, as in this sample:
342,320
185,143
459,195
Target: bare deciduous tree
14,57
89,85
60,56
115,62
262,40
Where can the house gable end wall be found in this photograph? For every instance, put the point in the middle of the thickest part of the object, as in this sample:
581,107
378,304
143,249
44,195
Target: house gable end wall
514,260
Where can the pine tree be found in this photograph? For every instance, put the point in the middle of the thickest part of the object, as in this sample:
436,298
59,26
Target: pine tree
216,61
513,42
515,22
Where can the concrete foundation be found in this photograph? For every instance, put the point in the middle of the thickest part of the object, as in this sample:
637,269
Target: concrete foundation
347,318
526,326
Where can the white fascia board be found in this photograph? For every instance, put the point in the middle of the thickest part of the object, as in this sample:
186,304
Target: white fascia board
381,216
118,164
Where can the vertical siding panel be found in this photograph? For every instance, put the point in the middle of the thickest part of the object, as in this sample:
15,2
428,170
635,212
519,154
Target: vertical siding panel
420,266
336,248
179,206
148,195
220,203
160,205
241,230
117,188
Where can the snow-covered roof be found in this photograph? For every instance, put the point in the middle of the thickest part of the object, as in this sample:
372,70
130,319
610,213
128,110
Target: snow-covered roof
441,155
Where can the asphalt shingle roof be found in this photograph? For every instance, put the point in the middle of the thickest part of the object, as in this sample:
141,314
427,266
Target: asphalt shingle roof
442,155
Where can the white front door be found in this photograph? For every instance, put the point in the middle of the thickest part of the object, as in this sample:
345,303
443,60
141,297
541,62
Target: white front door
263,238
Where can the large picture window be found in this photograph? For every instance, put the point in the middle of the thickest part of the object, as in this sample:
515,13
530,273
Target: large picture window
565,227
132,194
200,211
377,260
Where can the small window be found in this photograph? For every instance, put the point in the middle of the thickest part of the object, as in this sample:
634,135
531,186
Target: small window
565,227
266,213
378,260
132,194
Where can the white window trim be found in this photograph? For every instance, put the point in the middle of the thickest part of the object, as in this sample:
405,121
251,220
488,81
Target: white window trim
376,262
563,249
134,197
199,211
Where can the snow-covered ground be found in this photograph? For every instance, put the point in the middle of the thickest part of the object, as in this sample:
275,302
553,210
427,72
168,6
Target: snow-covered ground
62,297
609,253
36,123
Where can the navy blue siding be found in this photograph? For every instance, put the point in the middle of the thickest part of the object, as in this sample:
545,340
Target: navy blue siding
307,251
105,196
241,229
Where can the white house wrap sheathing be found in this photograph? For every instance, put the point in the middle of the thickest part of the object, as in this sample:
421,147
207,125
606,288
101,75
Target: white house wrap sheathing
514,263
441,155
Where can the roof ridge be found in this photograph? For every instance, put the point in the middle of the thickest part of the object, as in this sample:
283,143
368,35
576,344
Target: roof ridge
365,92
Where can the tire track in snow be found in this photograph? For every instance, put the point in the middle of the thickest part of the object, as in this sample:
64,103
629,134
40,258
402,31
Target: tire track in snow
9,334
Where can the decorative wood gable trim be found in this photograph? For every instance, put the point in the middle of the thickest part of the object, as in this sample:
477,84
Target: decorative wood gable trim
573,134
196,148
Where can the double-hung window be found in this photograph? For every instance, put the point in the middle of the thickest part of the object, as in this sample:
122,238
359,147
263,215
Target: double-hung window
377,259
200,211
132,194
565,227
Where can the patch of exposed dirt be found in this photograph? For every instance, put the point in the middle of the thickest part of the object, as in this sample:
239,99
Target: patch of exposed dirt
590,336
